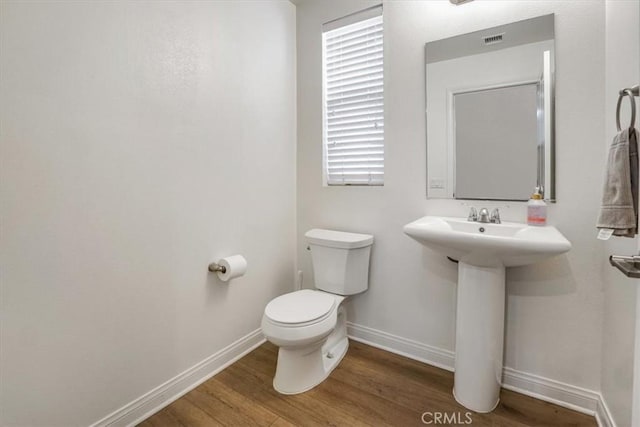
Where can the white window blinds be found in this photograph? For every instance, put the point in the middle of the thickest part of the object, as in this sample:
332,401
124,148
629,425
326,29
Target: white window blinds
353,113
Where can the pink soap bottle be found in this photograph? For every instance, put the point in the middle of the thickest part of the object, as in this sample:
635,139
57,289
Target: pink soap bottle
536,210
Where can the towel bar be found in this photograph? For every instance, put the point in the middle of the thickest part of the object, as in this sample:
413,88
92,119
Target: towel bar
629,265
631,92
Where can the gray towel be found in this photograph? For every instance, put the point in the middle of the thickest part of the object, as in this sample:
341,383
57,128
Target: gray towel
619,210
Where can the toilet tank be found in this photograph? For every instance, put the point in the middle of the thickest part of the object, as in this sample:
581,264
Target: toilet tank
340,260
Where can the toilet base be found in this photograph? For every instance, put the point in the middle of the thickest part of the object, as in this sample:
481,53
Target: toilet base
300,369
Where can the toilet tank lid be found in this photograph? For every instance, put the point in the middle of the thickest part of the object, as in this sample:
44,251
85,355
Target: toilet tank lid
338,239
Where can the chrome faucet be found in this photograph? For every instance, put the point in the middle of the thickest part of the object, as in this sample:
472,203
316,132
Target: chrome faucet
483,216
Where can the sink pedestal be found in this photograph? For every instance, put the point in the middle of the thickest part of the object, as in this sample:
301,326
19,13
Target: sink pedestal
483,251
479,336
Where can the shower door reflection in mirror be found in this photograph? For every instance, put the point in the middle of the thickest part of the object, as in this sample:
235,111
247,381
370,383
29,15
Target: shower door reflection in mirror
490,113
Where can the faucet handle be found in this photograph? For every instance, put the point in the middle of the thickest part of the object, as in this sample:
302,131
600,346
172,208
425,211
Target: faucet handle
473,214
495,216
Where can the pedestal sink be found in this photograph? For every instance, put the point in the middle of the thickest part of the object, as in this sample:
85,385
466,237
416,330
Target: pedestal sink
483,251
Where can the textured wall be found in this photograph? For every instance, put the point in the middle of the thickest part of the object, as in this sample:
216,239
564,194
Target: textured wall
554,309
139,141
618,338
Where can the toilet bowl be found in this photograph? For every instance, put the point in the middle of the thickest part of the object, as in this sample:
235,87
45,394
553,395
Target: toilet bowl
309,326
312,338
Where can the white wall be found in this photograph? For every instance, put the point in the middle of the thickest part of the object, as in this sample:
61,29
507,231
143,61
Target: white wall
622,70
139,141
554,309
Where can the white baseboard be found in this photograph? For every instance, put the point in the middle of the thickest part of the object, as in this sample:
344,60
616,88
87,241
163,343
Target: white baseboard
603,415
405,347
156,399
556,392
566,395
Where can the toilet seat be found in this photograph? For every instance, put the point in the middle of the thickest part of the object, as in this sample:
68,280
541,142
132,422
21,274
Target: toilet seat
300,308
300,318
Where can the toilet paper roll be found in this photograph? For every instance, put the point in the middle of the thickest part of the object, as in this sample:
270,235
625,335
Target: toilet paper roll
235,266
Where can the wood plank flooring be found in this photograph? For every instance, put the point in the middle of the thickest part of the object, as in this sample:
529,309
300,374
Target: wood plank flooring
370,387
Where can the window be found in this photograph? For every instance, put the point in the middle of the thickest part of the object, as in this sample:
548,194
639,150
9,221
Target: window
353,100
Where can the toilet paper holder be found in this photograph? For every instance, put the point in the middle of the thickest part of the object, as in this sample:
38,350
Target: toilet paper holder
229,267
214,267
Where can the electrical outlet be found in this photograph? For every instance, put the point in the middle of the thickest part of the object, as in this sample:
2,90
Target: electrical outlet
436,184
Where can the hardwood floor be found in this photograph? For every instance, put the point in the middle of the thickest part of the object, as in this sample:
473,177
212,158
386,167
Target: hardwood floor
370,387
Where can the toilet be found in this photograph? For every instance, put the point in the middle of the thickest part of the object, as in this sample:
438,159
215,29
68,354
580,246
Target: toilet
310,326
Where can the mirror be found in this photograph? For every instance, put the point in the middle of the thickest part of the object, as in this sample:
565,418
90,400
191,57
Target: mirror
489,106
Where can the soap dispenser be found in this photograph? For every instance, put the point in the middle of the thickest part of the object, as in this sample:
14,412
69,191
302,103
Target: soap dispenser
536,210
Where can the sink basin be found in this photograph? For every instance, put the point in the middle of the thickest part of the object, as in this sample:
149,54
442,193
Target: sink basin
508,244
483,252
